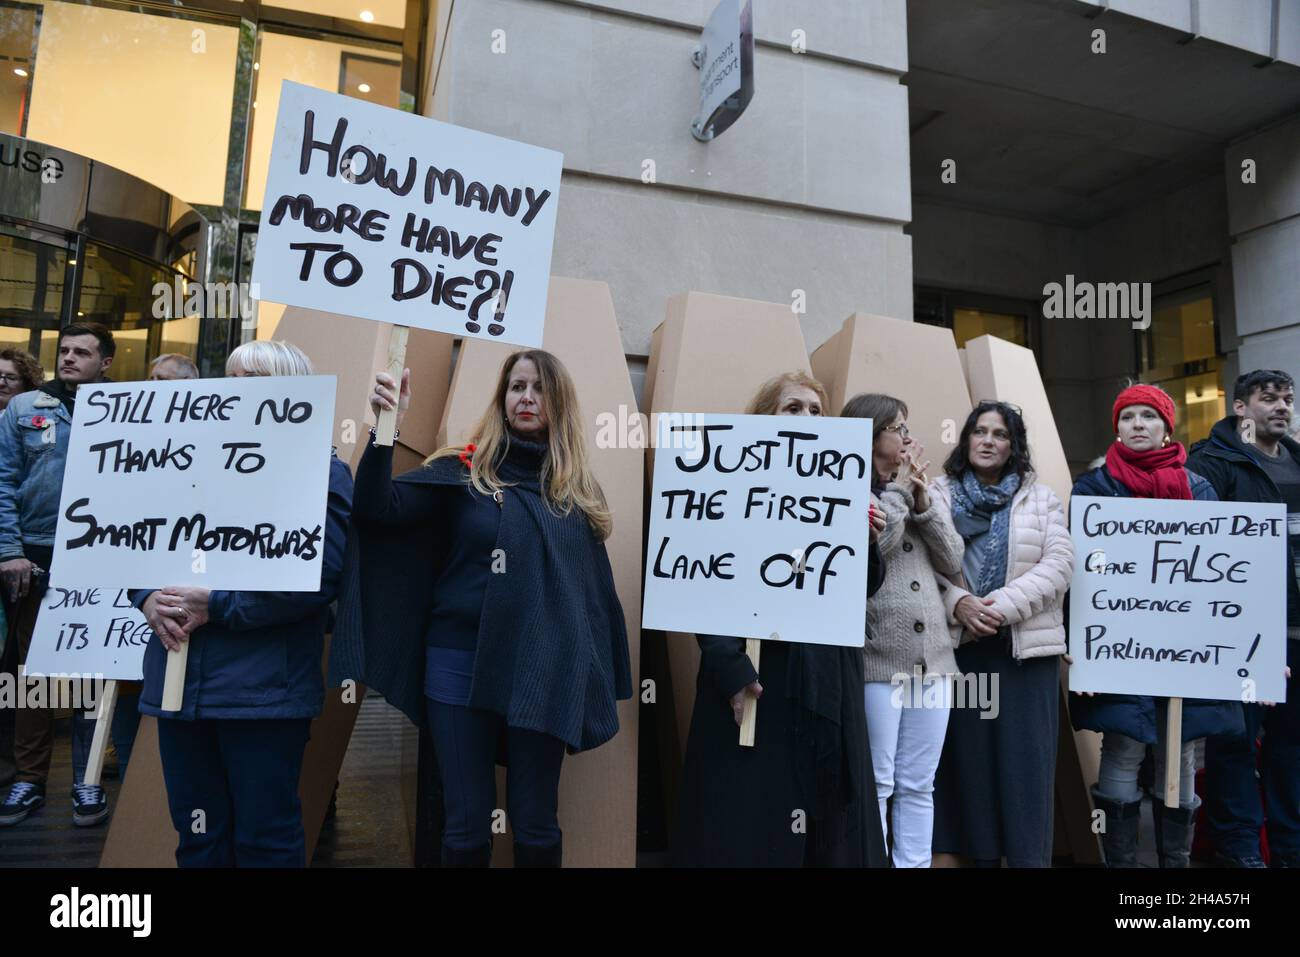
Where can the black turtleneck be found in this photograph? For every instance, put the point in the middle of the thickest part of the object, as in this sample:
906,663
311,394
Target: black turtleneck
473,521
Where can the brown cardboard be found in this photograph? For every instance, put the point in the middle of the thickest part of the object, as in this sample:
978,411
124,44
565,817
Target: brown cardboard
140,832
908,360
597,788
354,350
710,354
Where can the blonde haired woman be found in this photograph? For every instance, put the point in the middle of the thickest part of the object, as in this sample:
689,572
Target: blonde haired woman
804,795
484,605
267,357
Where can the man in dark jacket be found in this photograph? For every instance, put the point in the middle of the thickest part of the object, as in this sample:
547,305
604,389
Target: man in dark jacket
1250,457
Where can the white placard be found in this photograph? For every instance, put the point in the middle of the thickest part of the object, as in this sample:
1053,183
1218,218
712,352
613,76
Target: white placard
403,219
759,528
1178,599
213,482
88,631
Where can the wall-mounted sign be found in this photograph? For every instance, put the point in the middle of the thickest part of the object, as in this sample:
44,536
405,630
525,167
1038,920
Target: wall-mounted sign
726,61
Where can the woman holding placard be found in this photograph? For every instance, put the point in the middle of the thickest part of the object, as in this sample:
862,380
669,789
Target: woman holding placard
486,607
233,754
804,795
996,777
908,663
1145,462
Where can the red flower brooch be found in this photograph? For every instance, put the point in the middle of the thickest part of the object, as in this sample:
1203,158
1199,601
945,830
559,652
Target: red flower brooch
39,421
465,456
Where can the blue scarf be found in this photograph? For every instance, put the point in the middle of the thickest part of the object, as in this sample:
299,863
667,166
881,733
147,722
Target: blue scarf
979,508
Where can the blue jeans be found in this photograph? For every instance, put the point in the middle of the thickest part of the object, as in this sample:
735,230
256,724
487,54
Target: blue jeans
465,741
1121,757
1233,804
232,789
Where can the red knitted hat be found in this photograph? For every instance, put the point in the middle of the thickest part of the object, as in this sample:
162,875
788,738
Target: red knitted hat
1150,395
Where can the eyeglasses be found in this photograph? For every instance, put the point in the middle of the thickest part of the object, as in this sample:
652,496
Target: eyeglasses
900,429
9,378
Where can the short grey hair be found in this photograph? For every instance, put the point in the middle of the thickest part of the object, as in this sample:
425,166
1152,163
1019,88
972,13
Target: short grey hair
262,357
185,367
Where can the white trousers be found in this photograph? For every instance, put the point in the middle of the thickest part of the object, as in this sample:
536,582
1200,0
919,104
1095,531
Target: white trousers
906,722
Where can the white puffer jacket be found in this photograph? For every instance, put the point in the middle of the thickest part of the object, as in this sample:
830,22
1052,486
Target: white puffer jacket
1040,565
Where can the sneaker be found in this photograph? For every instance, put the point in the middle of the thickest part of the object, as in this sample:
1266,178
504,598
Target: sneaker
23,798
89,805
1223,860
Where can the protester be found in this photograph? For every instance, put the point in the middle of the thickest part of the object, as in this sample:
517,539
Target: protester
482,604
1145,462
909,663
804,794
19,373
1249,457
34,432
996,778
172,365
252,686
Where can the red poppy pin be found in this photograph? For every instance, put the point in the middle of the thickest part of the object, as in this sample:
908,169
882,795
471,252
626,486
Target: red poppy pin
465,456
39,421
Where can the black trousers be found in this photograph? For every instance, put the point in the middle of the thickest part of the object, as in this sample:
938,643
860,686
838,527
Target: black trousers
232,789
466,742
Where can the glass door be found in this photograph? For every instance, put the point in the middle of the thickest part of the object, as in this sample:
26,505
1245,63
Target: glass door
34,268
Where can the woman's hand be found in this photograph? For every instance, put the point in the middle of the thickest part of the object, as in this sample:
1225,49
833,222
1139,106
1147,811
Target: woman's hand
738,700
915,475
978,617
385,394
876,520
167,621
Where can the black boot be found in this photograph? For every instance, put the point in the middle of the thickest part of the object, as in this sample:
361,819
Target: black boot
1175,825
476,857
1120,838
526,855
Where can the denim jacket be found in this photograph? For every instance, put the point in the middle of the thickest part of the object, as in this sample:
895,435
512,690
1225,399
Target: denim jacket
34,432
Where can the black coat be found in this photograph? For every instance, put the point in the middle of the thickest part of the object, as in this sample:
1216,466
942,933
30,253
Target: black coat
1142,717
552,653
810,764
1237,477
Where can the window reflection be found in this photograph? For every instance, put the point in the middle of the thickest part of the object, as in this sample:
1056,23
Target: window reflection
338,67
94,71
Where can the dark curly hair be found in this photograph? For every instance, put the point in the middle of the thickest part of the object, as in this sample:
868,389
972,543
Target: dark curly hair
959,461
25,365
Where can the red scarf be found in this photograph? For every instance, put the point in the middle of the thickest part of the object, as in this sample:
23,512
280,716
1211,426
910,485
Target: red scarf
1155,473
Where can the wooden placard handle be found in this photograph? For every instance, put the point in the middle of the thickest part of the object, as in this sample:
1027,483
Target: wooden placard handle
1173,750
749,717
386,426
174,678
103,725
